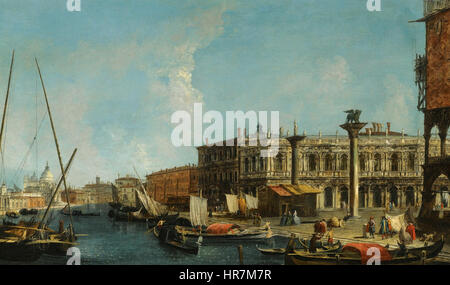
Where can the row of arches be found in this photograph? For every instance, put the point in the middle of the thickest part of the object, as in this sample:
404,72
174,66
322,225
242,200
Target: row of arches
377,193
330,161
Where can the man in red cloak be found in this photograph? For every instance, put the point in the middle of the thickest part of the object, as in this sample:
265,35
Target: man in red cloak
411,230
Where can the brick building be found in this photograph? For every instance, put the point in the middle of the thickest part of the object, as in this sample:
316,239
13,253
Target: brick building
174,186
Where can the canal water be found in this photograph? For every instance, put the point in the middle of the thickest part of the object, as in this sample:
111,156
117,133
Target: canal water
122,243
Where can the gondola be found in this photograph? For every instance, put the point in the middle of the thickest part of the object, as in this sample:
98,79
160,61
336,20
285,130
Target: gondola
168,235
280,251
26,212
356,254
79,213
12,215
241,235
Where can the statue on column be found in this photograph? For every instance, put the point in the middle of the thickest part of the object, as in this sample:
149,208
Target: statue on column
295,128
353,116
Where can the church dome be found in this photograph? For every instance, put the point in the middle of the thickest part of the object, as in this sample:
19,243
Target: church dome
46,176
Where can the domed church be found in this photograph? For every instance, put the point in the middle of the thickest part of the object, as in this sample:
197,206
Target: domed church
45,185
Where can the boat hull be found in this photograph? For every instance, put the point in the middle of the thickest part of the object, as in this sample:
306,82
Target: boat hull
19,251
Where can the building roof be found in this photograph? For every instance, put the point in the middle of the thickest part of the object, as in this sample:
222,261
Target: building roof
287,190
280,191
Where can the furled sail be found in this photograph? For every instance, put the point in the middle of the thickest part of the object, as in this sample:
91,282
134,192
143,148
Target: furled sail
252,202
232,203
198,211
153,207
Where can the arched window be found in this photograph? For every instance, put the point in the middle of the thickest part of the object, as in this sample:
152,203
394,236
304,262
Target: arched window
344,159
328,162
362,162
411,159
328,197
279,162
254,163
246,164
312,162
261,163
394,162
377,160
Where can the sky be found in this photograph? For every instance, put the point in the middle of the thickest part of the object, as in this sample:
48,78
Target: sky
117,70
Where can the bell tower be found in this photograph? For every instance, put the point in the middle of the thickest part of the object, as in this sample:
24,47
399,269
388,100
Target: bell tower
433,81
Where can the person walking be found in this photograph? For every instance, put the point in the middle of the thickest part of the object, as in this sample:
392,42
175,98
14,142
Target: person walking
371,225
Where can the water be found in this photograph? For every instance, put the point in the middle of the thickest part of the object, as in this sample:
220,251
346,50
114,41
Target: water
120,243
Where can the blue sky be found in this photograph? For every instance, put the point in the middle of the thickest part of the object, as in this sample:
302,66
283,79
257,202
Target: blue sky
117,70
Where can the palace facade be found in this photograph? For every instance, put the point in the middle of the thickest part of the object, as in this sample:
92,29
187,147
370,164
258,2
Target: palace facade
390,168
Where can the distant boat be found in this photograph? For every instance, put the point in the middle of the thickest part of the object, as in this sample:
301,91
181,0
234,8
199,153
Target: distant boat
12,215
26,212
79,213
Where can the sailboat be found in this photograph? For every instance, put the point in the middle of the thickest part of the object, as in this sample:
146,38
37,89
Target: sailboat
217,232
27,241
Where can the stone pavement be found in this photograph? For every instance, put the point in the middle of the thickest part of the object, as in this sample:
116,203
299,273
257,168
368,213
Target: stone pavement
351,232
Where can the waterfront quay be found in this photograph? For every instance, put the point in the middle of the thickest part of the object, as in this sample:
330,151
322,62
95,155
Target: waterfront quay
352,231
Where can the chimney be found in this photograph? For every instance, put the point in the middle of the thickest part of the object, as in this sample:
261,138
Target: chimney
281,132
97,180
388,127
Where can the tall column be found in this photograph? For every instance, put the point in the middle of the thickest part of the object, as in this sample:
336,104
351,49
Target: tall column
353,133
295,141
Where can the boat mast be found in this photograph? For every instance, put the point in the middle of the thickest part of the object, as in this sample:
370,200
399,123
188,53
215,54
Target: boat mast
5,107
57,188
57,148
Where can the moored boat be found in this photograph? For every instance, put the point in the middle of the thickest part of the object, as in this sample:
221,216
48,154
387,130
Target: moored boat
169,236
357,254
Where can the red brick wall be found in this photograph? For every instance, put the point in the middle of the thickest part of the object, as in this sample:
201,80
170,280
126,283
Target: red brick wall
438,61
173,183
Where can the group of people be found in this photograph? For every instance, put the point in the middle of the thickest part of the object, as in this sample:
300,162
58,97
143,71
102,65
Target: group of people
386,229
290,218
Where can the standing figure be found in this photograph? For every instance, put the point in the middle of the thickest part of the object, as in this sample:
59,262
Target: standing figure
330,236
258,220
312,243
411,230
384,227
371,226
289,219
296,219
283,219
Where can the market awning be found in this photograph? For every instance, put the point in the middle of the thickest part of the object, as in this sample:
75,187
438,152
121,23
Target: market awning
280,191
301,189
287,190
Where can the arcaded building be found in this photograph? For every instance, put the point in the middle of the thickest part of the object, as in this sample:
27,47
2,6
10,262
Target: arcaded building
390,168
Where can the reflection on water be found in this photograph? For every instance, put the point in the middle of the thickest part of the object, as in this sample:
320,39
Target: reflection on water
110,242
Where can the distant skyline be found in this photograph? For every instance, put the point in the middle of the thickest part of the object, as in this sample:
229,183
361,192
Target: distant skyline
117,70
